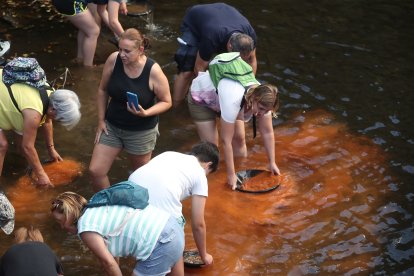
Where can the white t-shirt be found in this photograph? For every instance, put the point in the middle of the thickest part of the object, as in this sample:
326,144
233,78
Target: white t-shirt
230,97
170,178
231,94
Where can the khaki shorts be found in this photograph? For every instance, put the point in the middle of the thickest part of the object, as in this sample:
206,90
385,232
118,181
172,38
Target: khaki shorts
134,142
200,113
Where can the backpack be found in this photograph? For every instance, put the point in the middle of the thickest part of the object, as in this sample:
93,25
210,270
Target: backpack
231,66
124,193
227,65
28,71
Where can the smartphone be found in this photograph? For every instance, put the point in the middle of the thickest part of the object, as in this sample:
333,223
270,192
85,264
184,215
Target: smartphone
132,99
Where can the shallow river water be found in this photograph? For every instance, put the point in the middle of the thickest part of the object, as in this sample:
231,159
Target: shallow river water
344,138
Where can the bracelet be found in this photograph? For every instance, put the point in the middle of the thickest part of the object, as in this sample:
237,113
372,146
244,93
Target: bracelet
50,146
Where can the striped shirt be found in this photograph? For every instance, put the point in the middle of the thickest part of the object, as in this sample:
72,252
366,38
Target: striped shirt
126,231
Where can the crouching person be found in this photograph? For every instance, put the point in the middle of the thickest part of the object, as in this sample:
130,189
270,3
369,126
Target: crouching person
150,235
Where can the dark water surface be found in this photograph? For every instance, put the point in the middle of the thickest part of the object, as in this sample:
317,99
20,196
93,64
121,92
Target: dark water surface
344,138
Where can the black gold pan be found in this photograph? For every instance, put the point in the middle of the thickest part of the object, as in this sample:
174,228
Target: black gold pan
192,259
242,176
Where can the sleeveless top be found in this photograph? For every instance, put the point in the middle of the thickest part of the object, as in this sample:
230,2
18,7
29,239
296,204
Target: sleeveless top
119,83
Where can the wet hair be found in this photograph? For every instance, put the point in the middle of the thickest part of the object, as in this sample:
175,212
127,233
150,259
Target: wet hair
67,106
69,204
23,235
207,152
265,94
242,43
136,36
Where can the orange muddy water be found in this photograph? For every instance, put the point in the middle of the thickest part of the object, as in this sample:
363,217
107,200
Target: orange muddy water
345,203
322,215
31,202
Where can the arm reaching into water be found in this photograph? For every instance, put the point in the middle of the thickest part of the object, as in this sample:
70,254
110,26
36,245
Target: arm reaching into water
198,226
48,135
31,121
96,244
266,131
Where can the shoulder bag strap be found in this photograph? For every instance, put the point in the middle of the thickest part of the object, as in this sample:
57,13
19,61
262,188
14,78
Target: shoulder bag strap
45,98
12,97
254,117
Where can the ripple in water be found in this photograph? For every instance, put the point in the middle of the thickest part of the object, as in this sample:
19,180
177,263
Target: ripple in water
330,214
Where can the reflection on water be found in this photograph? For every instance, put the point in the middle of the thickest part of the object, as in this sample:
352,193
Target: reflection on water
345,201
327,215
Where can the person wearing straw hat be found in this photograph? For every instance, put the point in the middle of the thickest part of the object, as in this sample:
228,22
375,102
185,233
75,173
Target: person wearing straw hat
6,214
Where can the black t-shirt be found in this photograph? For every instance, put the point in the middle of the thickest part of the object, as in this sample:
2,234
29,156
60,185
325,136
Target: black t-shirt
213,24
30,258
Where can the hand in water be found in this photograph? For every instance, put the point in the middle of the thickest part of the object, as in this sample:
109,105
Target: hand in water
232,181
43,181
274,169
207,260
54,155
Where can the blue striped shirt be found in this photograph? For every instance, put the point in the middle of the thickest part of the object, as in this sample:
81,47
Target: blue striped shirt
126,231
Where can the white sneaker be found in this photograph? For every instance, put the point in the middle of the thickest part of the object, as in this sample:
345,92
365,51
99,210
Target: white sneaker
4,47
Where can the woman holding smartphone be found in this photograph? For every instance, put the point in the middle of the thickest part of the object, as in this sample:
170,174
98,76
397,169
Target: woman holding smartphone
121,125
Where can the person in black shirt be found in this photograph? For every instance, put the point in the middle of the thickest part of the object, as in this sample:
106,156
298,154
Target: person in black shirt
29,256
208,30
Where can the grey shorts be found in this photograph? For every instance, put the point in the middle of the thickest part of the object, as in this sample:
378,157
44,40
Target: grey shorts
134,142
200,113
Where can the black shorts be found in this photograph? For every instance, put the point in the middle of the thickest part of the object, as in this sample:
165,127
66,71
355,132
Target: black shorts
70,7
186,54
99,2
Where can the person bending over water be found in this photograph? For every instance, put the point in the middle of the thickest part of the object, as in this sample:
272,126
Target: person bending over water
210,29
238,104
151,236
64,107
183,176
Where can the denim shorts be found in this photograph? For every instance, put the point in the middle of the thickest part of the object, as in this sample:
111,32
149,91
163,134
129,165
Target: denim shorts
167,251
134,142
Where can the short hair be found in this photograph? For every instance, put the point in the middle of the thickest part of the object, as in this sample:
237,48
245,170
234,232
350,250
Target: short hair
69,203
23,235
207,152
67,106
264,94
242,43
136,36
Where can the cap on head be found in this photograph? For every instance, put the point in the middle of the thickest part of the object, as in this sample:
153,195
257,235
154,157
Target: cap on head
6,215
